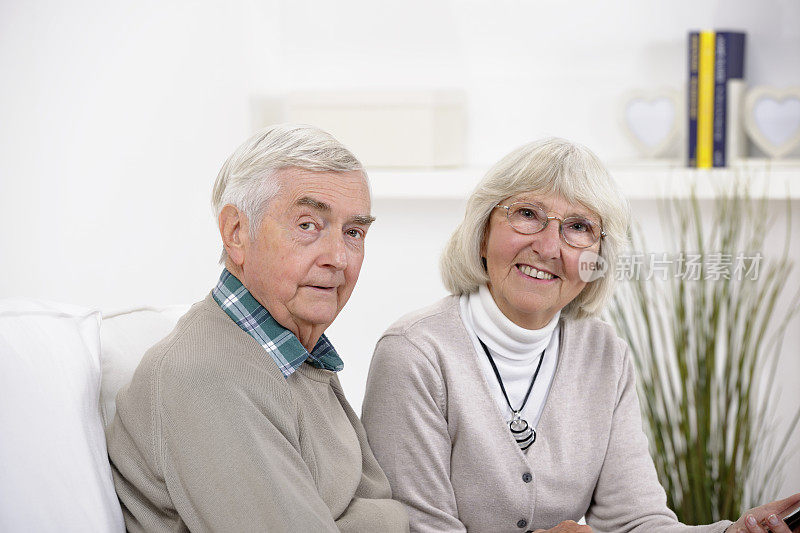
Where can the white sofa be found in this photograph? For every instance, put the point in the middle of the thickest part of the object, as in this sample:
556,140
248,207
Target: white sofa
60,369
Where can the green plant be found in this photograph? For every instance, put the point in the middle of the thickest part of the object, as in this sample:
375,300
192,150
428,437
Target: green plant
706,350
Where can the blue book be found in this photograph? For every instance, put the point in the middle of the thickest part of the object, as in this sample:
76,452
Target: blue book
728,65
691,97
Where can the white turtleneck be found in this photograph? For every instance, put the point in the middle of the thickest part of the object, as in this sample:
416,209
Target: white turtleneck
515,351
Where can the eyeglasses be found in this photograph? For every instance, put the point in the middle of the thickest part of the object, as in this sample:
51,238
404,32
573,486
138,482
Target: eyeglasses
578,232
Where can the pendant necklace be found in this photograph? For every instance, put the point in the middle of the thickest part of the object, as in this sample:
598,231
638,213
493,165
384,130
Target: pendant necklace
520,430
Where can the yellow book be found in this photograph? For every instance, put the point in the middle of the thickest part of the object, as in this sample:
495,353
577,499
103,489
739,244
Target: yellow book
705,100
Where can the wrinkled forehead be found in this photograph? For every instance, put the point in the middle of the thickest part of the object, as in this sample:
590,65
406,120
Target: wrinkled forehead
323,191
289,176
297,182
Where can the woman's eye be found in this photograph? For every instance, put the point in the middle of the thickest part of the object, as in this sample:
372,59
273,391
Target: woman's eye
579,226
527,213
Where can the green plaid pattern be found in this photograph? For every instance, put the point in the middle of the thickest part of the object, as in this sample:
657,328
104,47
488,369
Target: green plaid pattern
280,343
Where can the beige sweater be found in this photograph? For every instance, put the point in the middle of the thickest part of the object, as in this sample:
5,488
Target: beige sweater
442,441
209,436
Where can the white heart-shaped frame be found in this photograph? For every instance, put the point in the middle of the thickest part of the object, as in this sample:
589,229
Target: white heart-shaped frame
772,118
651,119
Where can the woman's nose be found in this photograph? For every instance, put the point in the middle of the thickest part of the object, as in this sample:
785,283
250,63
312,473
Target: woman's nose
547,242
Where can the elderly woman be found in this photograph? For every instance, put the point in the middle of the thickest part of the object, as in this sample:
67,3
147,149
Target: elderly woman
508,406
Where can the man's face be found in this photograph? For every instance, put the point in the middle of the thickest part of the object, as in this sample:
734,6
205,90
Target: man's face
305,260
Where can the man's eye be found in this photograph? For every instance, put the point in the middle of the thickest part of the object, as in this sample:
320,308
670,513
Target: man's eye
355,233
308,226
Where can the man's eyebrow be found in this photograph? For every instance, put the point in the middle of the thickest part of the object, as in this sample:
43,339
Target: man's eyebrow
365,220
316,204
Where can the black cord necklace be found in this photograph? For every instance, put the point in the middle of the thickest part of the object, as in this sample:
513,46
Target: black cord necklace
522,432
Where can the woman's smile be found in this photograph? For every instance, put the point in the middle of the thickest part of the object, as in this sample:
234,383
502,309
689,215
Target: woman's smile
533,272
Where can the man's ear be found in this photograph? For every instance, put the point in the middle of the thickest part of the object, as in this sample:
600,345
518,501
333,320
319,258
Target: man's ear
233,230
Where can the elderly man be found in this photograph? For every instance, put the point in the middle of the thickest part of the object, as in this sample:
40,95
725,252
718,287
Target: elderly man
236,421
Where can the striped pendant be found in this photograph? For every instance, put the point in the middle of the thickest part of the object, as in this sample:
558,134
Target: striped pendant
522,432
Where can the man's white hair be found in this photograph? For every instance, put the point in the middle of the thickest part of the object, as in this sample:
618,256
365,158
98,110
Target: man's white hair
247,179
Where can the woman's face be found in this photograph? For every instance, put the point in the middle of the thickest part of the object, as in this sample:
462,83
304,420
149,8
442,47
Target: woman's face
513,261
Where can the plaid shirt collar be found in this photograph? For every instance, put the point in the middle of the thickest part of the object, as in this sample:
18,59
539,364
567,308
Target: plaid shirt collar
280,343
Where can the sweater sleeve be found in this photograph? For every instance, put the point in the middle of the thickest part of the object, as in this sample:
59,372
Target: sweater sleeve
404,416
371,508
230,453
372,514
628,496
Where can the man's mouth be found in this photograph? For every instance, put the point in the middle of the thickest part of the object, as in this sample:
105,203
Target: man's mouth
535,273
322,287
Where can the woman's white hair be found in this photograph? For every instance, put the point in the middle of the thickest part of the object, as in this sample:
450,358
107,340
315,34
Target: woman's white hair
548,166
247,179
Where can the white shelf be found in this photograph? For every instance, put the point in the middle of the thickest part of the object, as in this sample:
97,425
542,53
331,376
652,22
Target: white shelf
639,180
408,184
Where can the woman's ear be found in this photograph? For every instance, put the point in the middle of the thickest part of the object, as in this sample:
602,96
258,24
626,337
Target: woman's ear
233,230
484,238
485,244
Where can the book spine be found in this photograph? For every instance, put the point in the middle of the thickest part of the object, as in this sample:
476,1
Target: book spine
691,97
735,141
705,100
720,100
728,65
735,41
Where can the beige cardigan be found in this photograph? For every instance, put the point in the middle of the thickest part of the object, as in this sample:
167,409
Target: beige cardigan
439,436
209,436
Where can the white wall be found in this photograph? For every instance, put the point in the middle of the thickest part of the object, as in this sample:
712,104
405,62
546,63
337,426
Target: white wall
116,116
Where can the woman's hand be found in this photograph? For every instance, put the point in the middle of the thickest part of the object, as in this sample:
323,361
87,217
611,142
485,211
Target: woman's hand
567,526
768,517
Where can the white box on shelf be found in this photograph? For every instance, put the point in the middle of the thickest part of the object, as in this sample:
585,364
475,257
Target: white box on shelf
389,129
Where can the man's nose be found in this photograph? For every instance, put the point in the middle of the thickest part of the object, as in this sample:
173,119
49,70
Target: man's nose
335,251
547,242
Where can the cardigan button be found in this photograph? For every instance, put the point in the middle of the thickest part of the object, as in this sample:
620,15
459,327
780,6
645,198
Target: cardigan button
527,477
522,523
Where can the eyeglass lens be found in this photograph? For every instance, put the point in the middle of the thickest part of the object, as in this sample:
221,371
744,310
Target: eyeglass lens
531,218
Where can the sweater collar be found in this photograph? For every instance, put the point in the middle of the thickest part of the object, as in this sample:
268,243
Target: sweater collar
501,335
